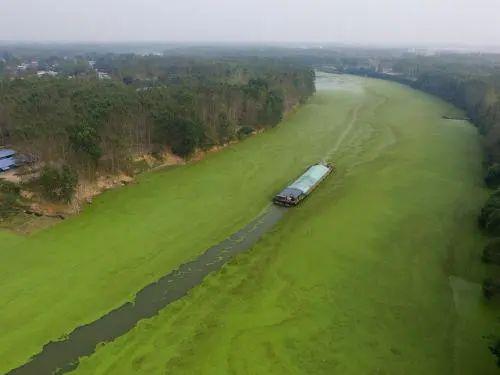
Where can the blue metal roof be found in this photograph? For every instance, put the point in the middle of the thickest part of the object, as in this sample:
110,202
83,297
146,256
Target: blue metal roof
6,152
7,163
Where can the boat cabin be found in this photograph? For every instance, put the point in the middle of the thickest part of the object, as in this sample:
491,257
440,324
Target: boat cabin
303,186
288,197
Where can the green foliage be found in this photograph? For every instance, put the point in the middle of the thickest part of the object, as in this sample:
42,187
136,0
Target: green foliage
73,67
245,131
495,350
8,204
272,113
491,252
84,138
183,135
489,218
9,198
492,178
8,187
58,184
256,88
128,80
225,130
491,288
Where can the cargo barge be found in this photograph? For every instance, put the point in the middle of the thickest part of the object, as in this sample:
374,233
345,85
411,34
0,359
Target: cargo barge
304,185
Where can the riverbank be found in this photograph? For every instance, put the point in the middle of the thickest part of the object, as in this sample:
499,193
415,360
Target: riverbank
33,212
38,214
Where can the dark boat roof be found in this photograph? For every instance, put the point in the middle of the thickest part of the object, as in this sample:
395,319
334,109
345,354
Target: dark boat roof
290,192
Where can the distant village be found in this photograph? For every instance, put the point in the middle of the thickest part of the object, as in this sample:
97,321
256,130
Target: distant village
16,68
19,65
50,67
33,67
12,67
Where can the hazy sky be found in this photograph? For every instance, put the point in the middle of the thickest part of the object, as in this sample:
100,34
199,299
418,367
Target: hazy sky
358,21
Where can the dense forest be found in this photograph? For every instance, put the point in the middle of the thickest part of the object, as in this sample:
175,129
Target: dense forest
146,105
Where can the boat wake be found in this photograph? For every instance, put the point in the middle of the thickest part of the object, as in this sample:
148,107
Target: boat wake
354,118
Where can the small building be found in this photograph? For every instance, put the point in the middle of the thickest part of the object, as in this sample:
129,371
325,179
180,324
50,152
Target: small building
49,73
7,159
23,67
103,75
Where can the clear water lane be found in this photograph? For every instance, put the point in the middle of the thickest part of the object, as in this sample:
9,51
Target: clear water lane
62,356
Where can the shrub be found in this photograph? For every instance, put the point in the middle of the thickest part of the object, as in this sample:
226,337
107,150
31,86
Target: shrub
492,178
491,288
489,218
182,135
185,136
84,139
491,252
58,184
9,187
272,113
245,131
495,350
9,194
8,204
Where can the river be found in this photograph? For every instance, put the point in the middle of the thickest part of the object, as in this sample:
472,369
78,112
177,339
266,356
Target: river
377,272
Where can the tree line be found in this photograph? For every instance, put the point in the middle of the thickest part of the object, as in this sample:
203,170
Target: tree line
151,104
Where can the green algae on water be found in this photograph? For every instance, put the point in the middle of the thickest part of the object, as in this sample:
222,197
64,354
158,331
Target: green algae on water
378,272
